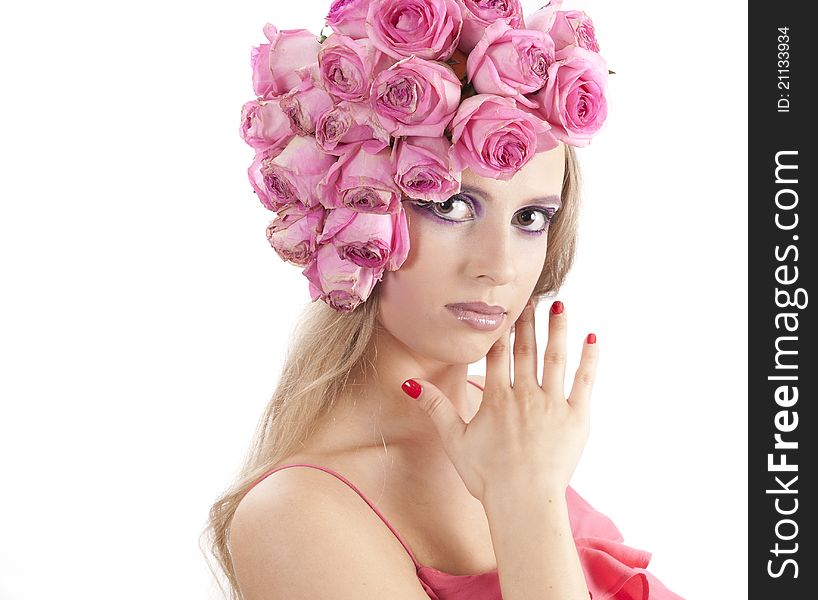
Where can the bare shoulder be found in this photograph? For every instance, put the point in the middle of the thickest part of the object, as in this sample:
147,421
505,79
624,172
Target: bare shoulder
302,533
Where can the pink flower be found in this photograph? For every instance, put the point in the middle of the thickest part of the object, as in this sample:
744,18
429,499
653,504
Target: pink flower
425,28
415,97
543,19
574,101
479,14
264,125
290,175
340,283
303,105
510,62
348,17
346,67
349,124
495,138
575,28
368,239
422,170
275,65
273,191
294,231
361,181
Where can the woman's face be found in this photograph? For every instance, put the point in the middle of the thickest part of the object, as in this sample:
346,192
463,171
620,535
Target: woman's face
487,243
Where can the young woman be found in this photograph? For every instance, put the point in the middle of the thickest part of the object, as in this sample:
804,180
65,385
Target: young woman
380,468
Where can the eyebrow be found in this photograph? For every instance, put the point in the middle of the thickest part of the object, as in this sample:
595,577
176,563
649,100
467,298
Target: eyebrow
551,201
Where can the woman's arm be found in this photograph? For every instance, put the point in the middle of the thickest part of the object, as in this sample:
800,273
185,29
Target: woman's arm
533,544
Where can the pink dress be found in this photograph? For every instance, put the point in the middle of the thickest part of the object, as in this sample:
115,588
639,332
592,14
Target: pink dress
612,569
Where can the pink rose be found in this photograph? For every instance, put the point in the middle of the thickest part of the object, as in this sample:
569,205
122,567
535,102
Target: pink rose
346,67
368,239
350,124
271,190
340,283
362,182
294,231
479,14
495,138
510,62
292,175
543,19
275,65
415,97
421,166
425,28
348,17
574,28
303,105
574,101
264,124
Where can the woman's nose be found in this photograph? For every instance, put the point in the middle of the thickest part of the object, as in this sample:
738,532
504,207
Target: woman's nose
492,256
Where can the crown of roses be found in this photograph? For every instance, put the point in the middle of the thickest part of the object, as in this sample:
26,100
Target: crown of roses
396,102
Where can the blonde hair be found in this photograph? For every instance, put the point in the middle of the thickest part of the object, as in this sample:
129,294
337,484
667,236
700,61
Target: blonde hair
326,347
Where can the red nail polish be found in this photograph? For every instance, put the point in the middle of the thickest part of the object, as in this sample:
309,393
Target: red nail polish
412,387
557,307
591,339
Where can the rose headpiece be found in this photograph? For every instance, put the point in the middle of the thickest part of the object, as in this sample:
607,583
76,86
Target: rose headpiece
396,102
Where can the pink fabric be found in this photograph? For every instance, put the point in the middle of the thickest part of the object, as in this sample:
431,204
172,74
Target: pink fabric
612,569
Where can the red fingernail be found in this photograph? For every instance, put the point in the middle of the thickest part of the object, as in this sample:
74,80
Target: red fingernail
556,308
591,339
412,387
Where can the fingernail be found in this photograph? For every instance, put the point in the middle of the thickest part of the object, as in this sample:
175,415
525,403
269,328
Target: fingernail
412,388
557,307
591,339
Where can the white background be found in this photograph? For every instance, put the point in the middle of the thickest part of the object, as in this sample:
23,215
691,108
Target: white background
144,316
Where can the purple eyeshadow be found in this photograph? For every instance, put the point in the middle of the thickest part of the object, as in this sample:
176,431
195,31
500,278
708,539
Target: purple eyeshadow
426,208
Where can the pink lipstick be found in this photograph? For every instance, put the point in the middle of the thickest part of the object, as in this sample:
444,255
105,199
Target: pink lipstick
478,315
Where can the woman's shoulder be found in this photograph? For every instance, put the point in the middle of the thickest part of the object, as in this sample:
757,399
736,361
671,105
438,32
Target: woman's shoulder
282,499
303,479
310,485
314,516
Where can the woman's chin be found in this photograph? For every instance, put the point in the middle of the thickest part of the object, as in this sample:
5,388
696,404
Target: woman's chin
466,349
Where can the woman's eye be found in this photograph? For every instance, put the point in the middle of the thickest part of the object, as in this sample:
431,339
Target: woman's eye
456,209
453,209
460,208
535,219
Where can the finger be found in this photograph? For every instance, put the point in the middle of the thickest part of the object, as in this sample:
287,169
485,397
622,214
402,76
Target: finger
441,411
525,347
580,396
554,358
497,365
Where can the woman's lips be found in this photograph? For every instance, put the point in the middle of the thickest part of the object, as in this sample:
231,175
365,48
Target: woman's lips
478,320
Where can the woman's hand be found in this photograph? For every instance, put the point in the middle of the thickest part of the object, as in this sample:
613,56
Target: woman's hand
524,435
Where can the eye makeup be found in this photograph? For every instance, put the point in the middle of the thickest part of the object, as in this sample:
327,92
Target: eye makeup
546,211
428,207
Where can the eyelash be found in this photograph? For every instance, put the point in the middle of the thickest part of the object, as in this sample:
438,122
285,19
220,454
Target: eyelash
428,206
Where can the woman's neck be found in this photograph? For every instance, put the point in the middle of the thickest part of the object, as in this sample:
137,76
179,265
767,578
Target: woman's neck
375,408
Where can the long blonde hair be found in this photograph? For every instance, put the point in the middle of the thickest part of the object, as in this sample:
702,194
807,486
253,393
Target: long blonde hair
326,347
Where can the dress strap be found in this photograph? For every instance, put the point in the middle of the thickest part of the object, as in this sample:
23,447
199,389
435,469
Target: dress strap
357,491
351,485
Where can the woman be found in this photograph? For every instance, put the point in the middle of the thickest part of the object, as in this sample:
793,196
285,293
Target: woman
380,469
